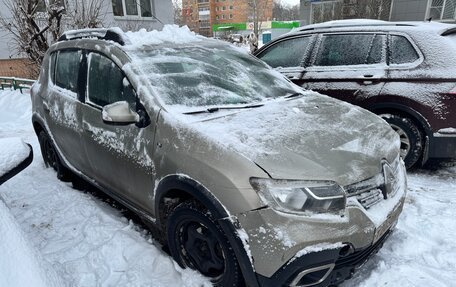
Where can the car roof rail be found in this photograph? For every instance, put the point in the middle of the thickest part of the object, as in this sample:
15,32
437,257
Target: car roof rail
111,34
351,25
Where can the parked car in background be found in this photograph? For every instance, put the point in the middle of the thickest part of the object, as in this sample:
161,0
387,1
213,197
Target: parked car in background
246,177
404,72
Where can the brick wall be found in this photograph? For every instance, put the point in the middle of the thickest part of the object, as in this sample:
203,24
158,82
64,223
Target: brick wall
20,68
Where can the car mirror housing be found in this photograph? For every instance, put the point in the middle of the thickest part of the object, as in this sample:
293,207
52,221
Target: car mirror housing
119,113
18,157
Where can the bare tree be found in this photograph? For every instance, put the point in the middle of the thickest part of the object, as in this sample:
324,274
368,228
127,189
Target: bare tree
281,12
177,9
259,11
86,13
32,27
36,24
326,11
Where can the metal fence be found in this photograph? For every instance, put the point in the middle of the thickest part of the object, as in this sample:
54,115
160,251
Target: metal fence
15,83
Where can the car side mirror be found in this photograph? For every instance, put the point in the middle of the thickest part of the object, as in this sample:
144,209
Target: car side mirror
119,113
15,156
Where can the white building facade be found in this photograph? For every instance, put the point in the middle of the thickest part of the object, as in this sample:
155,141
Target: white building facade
126,14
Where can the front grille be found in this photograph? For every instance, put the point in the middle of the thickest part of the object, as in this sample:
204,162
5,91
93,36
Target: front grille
375,189
370,198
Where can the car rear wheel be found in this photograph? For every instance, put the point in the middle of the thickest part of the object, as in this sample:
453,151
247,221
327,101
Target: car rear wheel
410,137
196,241
51,158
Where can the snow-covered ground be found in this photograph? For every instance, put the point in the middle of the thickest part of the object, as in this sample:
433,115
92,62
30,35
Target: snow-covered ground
86,242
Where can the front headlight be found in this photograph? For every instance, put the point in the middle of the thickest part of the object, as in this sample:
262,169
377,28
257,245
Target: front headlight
296,196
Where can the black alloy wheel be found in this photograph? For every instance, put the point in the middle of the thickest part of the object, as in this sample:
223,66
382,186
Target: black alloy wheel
196,241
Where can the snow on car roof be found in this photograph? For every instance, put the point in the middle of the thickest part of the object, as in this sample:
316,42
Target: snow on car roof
170,34
369,24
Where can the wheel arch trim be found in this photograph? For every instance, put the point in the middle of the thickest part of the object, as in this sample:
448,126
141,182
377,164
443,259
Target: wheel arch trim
227,222
415,115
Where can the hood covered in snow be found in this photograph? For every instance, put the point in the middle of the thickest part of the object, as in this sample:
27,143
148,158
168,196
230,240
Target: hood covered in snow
312,137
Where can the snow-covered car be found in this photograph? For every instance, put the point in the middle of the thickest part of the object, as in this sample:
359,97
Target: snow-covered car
402,71
246,177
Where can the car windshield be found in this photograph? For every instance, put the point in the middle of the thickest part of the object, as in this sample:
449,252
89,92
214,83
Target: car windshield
209,76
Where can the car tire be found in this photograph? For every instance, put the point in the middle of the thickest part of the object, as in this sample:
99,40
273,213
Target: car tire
196,241
410,136
51,157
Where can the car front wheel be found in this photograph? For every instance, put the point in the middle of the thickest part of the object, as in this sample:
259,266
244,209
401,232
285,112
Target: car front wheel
410,137
50,156
196,241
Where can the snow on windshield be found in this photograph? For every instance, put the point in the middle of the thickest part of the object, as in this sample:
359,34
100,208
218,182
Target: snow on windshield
202,74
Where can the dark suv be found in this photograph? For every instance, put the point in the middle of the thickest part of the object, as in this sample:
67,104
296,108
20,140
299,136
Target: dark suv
404,72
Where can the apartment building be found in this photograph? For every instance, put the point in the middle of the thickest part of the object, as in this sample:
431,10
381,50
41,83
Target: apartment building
203,16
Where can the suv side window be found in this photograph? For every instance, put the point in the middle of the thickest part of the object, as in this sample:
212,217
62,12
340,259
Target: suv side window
402,50
350,49
288,53
107,83
67,69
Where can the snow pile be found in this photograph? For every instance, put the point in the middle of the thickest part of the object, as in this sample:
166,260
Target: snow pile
170,33
20,264
12,152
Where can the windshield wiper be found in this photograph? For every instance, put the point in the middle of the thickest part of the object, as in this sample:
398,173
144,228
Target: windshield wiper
216,109
294,95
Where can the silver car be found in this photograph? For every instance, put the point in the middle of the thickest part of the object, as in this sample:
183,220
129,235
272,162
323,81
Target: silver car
245,177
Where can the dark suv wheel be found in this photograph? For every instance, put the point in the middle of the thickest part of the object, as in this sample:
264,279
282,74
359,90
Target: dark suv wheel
410,137
197,241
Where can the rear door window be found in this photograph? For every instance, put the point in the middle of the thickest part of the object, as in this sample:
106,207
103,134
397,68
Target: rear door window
67,70
107,83
350,49
287,53
402,51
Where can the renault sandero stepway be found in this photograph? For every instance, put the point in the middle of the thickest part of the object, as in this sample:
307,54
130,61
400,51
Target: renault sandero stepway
246,177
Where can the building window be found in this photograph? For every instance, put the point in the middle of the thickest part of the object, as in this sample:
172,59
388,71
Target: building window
217,17
223,16
223,8
442,9
216,8
41,5
141,8
231,16
231,7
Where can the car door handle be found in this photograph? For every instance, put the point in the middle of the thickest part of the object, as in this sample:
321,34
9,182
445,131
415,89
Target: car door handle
368,79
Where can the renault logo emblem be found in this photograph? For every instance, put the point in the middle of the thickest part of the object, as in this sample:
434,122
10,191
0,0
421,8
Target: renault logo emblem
390,180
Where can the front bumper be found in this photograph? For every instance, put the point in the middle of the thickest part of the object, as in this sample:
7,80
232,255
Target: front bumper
323,268
321,250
